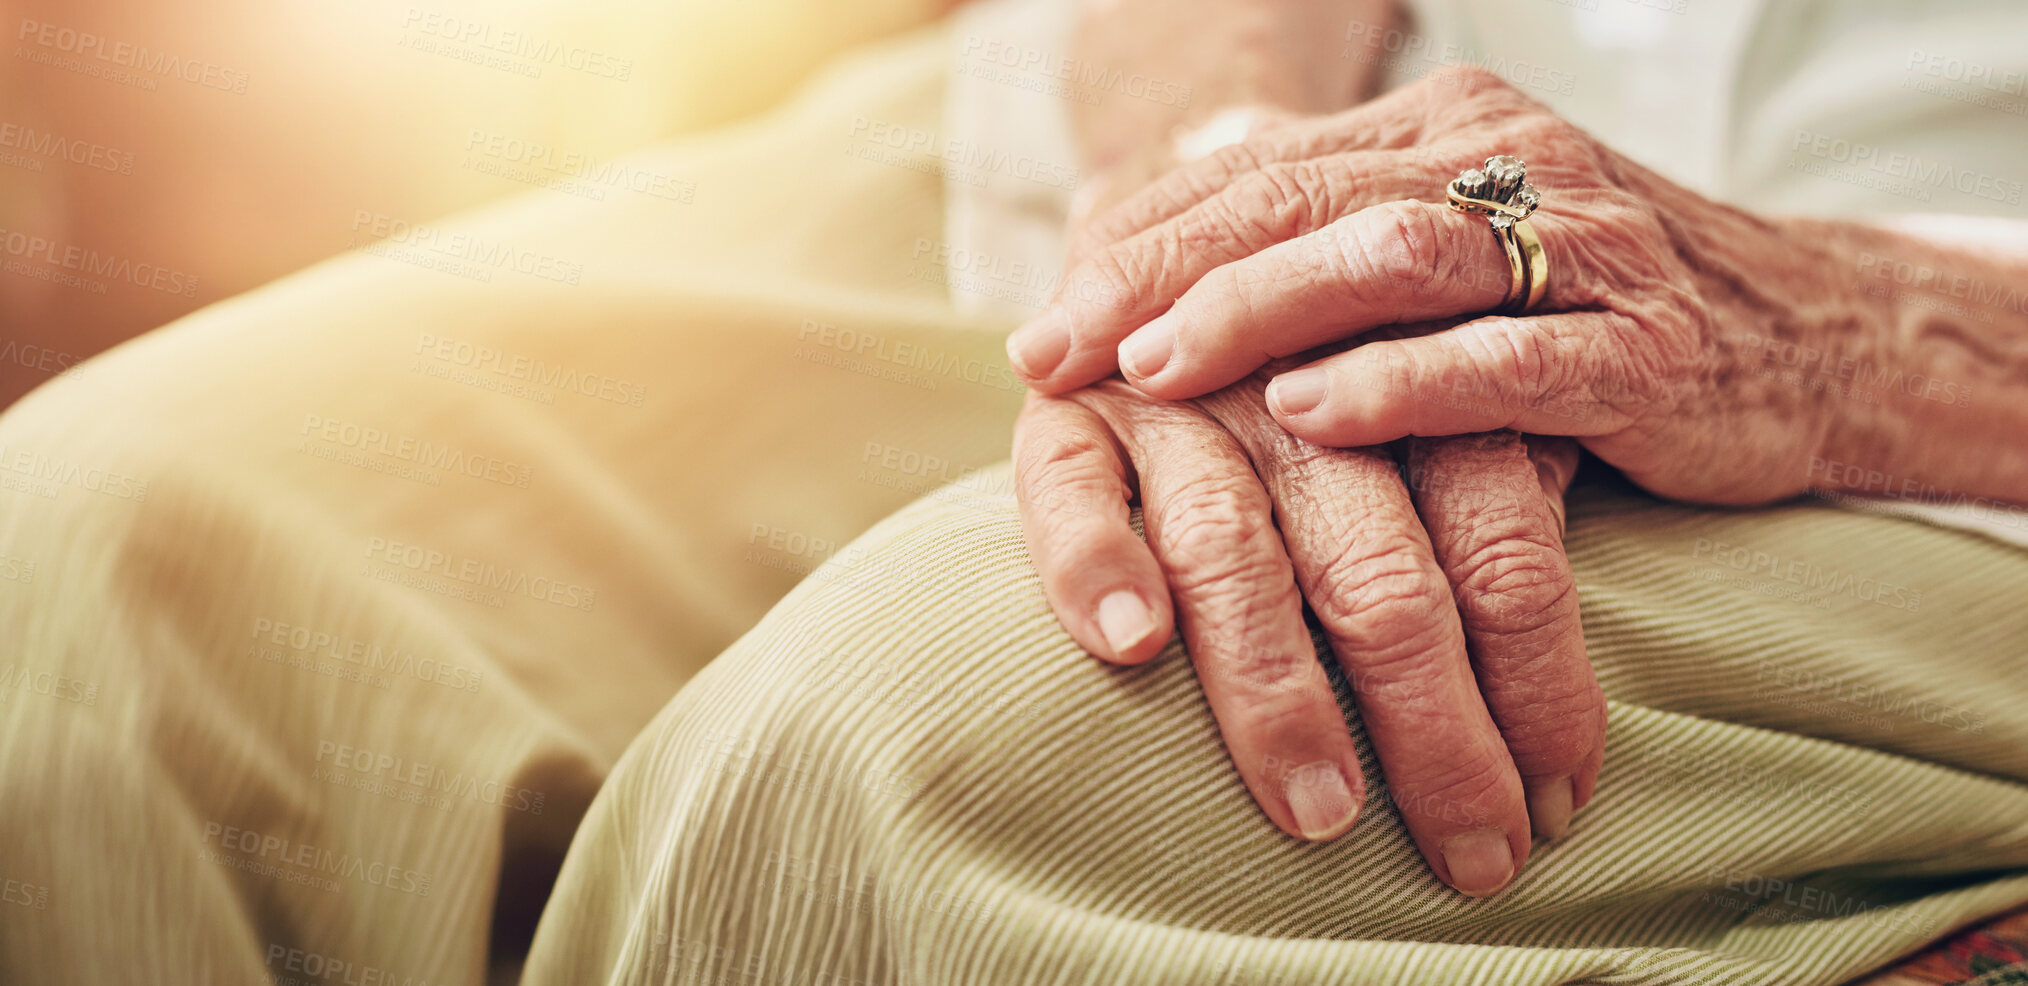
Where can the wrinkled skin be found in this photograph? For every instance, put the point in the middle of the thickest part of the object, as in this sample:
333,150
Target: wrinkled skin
1667,343
1245,522
1660,305
1447,599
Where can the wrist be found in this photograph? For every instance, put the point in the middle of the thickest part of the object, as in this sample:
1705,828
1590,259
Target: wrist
1284,57
1931,365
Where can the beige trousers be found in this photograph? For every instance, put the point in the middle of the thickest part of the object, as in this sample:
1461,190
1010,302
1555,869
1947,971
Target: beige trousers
326,612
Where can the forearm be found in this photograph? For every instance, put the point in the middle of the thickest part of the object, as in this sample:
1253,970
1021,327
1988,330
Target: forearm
1934,386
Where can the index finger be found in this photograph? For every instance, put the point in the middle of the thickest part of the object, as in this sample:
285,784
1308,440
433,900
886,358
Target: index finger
1073,486
1126,284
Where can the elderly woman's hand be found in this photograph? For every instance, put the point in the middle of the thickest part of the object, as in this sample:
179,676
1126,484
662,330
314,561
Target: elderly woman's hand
1462,644
1667,338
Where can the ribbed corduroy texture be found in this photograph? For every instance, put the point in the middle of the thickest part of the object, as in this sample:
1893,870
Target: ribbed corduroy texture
224,609
950,791
1057,820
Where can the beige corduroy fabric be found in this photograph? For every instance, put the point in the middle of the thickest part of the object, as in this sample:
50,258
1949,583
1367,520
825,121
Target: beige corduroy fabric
907,773
325,612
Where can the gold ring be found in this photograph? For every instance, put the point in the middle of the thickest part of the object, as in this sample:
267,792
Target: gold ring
1501,193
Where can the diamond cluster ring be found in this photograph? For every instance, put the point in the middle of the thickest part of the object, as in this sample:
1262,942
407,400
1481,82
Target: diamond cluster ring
1500,192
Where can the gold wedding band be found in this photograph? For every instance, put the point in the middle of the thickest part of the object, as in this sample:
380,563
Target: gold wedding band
1501,193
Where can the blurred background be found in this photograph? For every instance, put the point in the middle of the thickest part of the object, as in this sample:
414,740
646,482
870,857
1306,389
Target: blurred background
156,158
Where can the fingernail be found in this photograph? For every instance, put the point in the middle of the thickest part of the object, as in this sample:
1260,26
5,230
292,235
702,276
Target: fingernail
1480,861
1036,348
1147,350
1125,620
1321,801
1298,390
1550,805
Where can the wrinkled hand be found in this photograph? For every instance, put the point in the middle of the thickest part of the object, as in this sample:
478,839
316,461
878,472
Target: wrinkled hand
1462,645
1660,307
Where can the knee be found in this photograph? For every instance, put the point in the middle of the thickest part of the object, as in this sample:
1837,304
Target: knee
918,668
910,700
909,752
919,654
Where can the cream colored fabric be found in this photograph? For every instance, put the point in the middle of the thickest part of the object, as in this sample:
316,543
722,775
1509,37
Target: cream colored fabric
209,536
586,481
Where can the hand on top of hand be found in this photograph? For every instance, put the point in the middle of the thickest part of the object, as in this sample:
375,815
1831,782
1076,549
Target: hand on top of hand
1659,302
1435,571
1447,601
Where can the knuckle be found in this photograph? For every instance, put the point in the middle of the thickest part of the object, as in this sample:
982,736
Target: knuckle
1268,691
1395,244
1515,580
1572,159
1107,284
1059,454
1055,465
1179,190
1519,602
1390,603
1525,358
1219,537
1459,457
1229,162
1610,204
1316,475
1308,196
1504,369
1260,209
